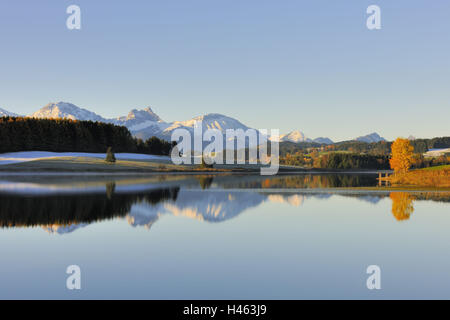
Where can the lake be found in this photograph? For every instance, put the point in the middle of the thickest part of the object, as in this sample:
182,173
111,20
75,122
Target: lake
221,237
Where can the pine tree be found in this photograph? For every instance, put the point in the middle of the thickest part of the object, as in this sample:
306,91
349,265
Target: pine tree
110,157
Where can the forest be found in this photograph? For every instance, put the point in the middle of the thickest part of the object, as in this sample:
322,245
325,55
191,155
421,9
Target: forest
373,148
359,155
66,135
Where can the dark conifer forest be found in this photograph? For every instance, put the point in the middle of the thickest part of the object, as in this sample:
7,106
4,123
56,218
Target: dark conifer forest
65,135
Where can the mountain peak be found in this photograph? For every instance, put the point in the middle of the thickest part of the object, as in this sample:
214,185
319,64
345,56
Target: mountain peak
371,137
66,110
293,136
145,123
209,116
323,140
145,114
215,115
298,136
6,113
210,121
142,123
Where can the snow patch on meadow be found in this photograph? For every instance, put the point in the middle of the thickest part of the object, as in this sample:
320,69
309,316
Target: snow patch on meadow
24,156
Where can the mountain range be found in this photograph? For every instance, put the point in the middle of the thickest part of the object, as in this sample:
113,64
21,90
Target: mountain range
298,136
5,113
145,123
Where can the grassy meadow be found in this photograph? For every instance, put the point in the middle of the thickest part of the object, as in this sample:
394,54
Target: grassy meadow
438,176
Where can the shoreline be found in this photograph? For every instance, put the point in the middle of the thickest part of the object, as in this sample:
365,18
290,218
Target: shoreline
95,166
180,172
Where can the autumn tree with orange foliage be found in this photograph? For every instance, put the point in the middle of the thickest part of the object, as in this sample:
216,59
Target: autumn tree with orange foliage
401,155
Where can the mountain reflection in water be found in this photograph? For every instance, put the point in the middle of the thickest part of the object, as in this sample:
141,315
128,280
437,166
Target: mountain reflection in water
204,198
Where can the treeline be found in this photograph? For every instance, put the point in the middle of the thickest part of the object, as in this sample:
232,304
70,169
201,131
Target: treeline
423,145
286,147
302,181
66,135
384,147
154,145
372,148
419,161
337,160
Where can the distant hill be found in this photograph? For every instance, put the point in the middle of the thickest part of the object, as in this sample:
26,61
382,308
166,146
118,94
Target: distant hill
323,140
372,137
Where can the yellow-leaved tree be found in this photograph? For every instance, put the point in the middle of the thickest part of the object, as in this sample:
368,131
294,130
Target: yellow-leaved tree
402,155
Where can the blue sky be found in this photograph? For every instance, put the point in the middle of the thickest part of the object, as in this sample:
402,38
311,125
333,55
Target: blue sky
306,65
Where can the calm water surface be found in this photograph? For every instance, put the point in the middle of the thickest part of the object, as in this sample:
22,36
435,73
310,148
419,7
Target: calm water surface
225,237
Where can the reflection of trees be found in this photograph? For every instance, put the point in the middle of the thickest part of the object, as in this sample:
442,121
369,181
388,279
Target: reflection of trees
67,209
402,205
205,181
307,181
435,196
110,187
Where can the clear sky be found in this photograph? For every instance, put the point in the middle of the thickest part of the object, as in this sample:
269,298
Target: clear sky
307,65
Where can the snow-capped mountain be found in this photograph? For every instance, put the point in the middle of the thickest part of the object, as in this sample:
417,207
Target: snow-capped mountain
145,123
6,113
298,136
373,137
138,119
293,136
209,121
142,123
213,121
66,110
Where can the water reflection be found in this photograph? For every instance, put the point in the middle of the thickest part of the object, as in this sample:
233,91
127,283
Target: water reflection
204,198
304,181
402,205
205,181
74,209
